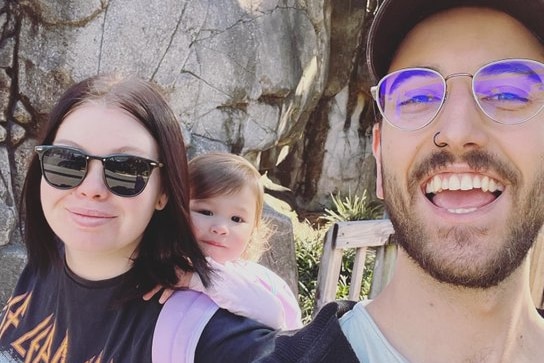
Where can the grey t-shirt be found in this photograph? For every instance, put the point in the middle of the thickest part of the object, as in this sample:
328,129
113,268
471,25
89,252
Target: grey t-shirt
366,339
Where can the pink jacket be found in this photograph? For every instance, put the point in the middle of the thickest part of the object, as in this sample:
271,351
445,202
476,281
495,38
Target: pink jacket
249,289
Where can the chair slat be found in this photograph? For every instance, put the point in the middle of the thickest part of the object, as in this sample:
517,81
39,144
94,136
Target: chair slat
341,236
363,233
357,273
329,272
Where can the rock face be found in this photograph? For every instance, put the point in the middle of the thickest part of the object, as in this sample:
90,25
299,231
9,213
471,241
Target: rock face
277,81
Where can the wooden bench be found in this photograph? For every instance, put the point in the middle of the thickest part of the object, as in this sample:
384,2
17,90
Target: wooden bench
359,235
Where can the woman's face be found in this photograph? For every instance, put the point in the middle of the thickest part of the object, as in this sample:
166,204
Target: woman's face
101,230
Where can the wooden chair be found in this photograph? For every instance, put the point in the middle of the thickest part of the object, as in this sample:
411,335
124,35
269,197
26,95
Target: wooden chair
359,235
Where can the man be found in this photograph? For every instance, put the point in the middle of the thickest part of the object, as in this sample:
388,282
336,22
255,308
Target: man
459,154
460,151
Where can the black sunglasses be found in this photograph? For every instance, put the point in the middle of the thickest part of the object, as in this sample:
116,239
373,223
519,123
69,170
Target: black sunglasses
66,168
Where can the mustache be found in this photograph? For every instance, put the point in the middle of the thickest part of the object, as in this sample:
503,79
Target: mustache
478,160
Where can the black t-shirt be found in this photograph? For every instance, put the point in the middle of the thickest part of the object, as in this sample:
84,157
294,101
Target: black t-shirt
60,317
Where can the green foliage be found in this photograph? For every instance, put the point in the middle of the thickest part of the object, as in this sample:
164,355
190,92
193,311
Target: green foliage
309,246
352,208
345,274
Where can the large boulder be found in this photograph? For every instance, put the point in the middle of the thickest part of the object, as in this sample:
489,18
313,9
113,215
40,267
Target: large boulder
276,81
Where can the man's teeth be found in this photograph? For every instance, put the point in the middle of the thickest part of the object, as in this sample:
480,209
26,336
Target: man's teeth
462,182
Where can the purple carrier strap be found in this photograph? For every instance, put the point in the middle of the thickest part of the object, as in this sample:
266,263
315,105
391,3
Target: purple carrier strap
180,323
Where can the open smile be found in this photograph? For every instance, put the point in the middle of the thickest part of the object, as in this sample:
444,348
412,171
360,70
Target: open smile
462,193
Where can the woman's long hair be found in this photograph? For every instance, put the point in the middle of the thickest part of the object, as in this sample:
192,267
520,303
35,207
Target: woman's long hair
168,242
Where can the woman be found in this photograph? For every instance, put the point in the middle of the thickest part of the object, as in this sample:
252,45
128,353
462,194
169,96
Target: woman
106,217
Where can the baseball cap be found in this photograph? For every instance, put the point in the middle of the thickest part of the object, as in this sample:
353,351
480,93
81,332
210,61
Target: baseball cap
395,18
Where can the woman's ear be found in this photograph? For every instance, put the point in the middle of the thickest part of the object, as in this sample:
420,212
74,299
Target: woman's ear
377,152
161,201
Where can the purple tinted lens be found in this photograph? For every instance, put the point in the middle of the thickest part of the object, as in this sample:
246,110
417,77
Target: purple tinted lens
510,91
411,98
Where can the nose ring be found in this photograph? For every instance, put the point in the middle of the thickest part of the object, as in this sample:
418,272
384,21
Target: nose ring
441,144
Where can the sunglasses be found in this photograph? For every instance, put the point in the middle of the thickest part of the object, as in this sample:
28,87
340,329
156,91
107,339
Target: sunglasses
508,91
66,168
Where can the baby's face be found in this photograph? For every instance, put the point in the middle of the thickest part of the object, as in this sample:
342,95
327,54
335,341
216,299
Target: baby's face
223,224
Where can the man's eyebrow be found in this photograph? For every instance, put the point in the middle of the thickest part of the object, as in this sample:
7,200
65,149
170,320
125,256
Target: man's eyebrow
512,67
409,73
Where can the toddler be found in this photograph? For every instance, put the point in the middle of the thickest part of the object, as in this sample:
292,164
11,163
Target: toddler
226,203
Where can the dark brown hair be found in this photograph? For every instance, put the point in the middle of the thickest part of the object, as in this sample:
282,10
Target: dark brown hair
168,242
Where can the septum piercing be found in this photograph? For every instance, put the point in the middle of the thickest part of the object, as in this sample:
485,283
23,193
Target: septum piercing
440,145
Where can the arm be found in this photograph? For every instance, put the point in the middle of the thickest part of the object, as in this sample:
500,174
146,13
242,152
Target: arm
235,339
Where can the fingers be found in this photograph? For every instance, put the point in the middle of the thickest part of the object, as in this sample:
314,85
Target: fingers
148,295
165,295
184,278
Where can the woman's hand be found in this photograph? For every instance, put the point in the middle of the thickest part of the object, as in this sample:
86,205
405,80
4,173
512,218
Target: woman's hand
184,278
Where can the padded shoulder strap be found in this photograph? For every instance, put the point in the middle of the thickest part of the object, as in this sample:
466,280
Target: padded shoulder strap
179,326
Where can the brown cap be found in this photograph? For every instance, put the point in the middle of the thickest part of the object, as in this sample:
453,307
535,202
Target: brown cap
395,18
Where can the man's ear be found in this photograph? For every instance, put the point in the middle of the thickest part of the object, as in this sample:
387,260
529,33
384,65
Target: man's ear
377,152
161,201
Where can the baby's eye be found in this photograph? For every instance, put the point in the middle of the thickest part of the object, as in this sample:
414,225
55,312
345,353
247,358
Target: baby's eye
237,219
205,212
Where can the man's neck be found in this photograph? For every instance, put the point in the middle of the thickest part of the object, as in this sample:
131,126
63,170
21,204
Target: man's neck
429,321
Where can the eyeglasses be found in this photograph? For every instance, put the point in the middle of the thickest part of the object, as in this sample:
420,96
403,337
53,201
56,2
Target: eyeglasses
509,91
66,168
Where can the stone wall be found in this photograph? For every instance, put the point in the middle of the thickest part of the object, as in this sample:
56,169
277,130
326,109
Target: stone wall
276,81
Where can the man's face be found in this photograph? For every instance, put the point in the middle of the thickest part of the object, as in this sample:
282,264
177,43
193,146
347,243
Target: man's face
478,236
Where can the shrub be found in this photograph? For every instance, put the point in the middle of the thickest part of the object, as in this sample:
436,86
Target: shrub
352,208
308,248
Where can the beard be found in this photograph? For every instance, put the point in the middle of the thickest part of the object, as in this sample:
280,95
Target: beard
464,255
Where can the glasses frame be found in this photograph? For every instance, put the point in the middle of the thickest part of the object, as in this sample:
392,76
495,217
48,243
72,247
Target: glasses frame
374,90
42,149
